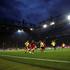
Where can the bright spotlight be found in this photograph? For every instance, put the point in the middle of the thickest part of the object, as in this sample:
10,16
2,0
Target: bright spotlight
19,31
52,23
68,17
45,26
31,29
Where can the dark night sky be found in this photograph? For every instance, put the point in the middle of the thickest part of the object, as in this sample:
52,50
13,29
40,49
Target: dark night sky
33,11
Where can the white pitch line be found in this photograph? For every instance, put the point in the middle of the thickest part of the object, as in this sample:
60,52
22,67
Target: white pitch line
50,60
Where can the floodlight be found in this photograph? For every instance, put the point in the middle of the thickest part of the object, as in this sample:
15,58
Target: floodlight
52,23
45,26
68,17
19,31
31,29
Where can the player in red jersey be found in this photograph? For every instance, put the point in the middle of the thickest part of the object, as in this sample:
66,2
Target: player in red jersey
32,46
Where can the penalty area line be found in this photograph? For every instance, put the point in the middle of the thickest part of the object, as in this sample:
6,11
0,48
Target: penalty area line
50,60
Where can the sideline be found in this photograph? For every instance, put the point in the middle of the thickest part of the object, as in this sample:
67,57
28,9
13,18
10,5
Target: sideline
50,60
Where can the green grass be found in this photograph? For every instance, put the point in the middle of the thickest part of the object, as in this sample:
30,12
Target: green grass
59,54
10,65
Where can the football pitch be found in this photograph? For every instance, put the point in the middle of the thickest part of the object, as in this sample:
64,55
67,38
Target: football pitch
50,59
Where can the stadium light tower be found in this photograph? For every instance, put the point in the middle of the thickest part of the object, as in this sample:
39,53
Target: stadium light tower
45,26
